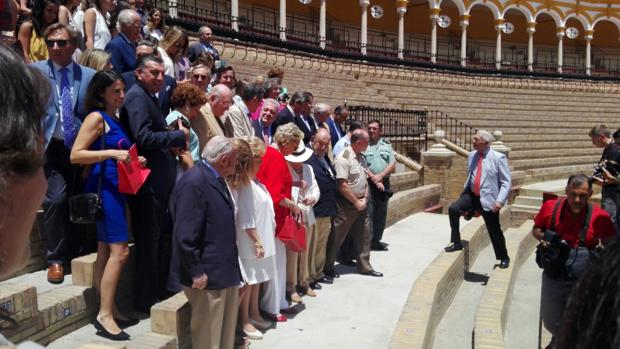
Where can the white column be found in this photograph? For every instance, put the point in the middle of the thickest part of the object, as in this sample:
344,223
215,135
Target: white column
531,29
589,35
464,23
499,25
434,17
234,15
283,20
322,24
401,10
560,35
364,33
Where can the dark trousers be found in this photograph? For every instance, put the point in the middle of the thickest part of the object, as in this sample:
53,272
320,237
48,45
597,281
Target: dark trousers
468,202
152,230
349,222
377,209
64,239
609,202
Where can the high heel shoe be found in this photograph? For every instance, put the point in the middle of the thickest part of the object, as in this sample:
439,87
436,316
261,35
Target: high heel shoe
101,331
255,335
127,323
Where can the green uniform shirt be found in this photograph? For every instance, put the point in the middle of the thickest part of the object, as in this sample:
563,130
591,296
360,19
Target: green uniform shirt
379,156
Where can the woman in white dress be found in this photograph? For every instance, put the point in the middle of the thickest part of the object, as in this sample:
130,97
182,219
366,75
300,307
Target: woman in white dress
256,225
96,31
172,50
306,193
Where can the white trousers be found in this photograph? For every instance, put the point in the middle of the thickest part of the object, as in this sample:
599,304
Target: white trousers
274,290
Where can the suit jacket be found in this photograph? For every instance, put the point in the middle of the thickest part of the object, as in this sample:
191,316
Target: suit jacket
308,132
332,130
241,123
164,94
197,49
284,116
208,126
326,206
206,241
81,79
123,54
495,181
141,115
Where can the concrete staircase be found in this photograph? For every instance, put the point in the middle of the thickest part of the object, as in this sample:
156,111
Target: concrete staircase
530,196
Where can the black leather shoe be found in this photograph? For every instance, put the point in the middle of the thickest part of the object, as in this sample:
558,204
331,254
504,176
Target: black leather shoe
315,285
504,263
347,262
101,331
327,279
127,323
454,247
378,246
373,273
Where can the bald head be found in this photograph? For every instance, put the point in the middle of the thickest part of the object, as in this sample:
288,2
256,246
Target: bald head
220,99
320,142
359,141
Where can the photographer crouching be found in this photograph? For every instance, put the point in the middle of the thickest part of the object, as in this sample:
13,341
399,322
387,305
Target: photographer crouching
606,171
571,232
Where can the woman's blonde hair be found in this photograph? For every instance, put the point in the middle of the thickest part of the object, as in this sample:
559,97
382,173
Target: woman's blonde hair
288,133
248,149
171,37
95,58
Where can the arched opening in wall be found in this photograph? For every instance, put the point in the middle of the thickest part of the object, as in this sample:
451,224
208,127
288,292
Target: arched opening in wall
545,44
574,46
605,51
514,39
449,34
417,43
481,37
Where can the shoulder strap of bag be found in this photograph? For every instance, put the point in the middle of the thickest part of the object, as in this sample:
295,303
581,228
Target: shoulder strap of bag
102,162
558,204
586,225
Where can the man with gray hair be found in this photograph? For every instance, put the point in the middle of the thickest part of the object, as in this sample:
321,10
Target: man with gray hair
298,112
205,45
607,171
266,117
212,121
322,112
486,191
204,257
123,47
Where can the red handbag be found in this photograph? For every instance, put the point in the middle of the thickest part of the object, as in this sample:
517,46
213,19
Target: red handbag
131,176
293,233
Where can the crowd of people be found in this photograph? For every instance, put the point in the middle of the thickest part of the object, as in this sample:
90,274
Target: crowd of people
234,166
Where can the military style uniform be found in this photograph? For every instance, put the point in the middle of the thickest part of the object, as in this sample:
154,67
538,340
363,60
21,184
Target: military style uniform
379,156
348,220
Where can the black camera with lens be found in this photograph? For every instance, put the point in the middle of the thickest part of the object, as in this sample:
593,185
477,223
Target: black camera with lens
610,166
551,255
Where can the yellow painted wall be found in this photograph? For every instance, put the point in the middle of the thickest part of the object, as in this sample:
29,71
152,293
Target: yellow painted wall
417,21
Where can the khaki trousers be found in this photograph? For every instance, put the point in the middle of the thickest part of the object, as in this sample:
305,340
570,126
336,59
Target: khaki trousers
297,265
317,248
214,317
350,221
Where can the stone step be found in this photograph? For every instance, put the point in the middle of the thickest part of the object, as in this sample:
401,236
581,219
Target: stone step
492,311
553,162
528,201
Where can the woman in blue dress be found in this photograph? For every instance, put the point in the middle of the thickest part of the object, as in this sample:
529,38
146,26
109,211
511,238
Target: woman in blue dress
104,96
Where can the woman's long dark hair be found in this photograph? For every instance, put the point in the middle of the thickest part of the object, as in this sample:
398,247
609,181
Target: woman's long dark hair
101,81
38,10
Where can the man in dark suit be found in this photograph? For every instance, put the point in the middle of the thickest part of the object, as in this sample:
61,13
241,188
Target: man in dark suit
61,123
324,209
262,125
204,45
298,112
205,257
145,48
151,221
335,122
123,47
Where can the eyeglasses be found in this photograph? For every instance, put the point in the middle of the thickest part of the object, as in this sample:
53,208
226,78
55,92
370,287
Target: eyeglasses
61,43
200,77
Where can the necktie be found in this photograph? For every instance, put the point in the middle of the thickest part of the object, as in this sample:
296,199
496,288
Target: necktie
225,188
266,135
478,174
67,109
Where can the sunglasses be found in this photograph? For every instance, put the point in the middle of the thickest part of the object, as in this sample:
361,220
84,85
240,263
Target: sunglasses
200,77
60,43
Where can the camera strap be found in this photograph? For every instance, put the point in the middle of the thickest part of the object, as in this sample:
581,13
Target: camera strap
586,223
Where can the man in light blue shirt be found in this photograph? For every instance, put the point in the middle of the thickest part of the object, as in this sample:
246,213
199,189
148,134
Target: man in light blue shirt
346,140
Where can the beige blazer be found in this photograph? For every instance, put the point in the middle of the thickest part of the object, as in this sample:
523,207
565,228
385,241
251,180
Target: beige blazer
208,126
241,124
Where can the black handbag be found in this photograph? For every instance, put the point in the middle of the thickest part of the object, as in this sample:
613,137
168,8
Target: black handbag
87,208
552,255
